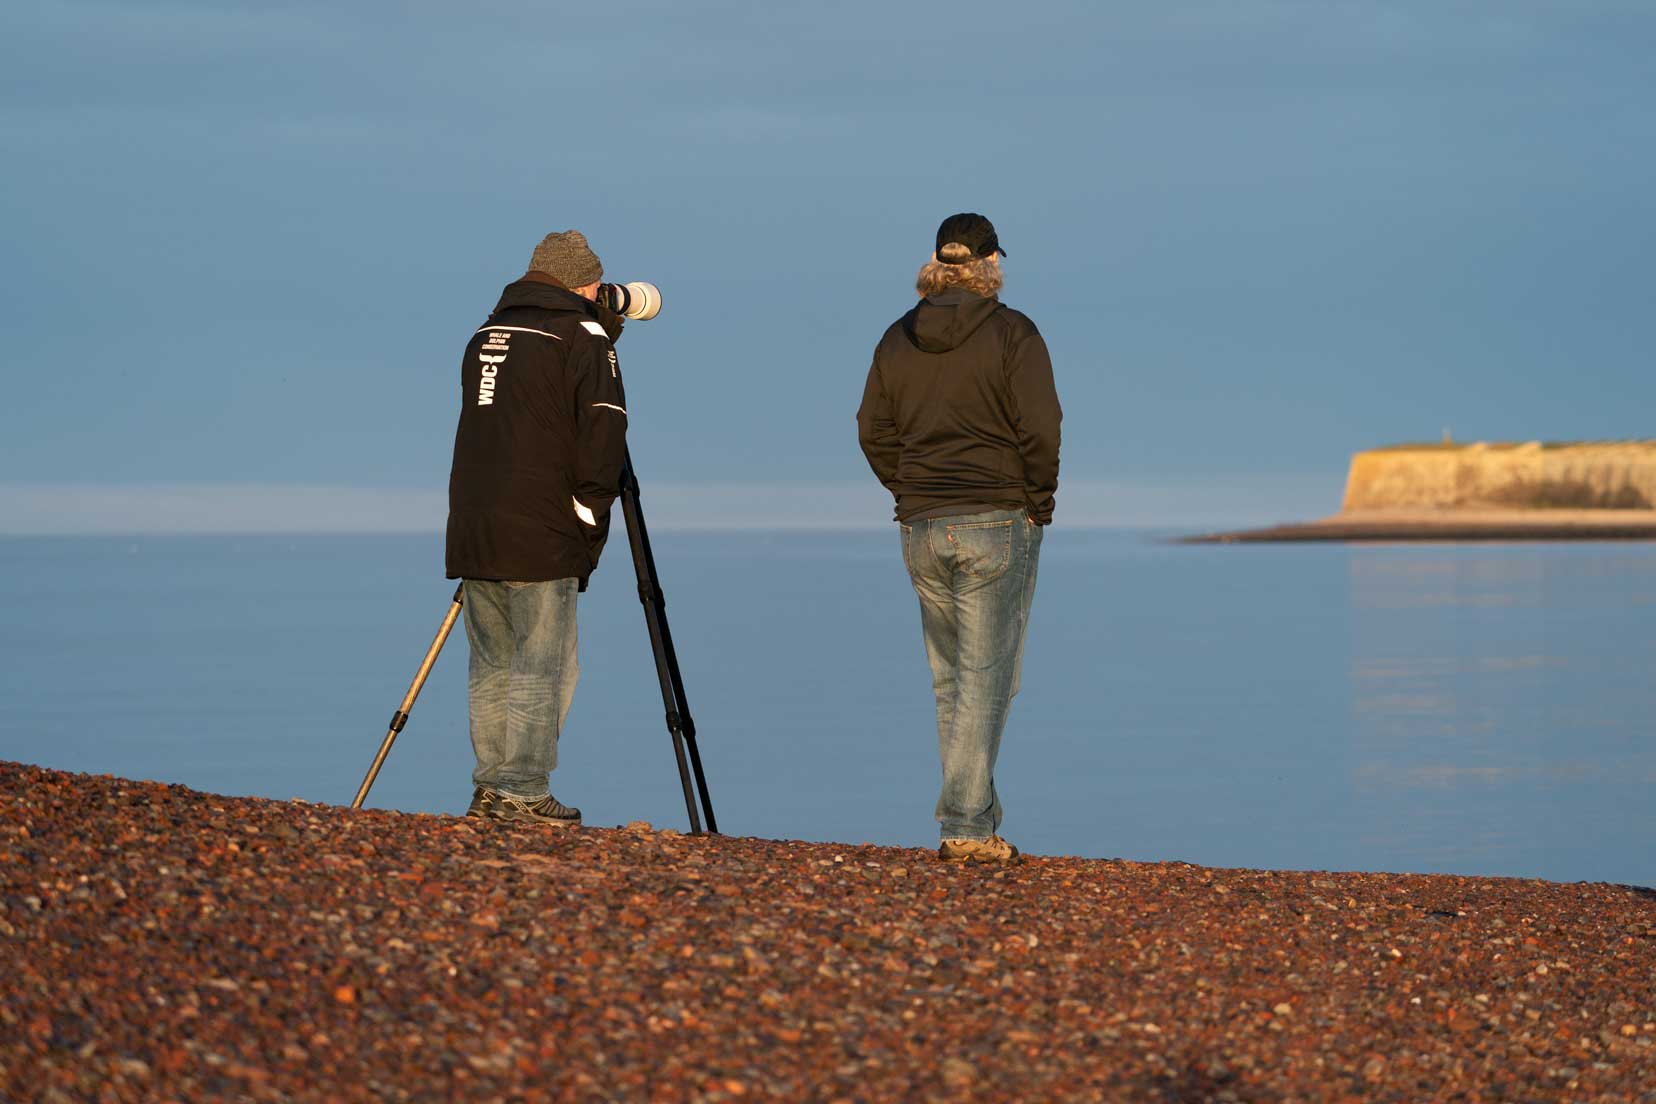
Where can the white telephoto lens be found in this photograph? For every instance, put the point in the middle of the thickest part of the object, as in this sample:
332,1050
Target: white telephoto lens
643,300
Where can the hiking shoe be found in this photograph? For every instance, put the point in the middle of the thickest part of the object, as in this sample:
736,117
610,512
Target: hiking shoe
480,802
543,810
991,850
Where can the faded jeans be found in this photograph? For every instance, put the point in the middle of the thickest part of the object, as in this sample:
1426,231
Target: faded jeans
975,575
521,680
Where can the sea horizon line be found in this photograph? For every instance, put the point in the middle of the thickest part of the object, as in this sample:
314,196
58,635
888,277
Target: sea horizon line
254,508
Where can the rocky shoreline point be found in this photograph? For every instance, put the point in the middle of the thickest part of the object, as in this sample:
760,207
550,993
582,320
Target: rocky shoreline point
157,943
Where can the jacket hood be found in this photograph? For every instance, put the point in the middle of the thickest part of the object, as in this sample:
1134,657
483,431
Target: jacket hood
539,290
944,322
543,293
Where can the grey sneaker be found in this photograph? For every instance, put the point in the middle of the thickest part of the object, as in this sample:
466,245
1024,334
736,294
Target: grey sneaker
480,802
544,810
991,850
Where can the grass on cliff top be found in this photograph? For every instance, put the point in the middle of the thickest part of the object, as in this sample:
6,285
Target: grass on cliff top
1505,446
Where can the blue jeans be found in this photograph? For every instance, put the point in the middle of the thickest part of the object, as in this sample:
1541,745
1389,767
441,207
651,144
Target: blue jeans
521,680
975,575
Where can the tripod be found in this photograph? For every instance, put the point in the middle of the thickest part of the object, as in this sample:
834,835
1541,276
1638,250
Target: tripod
680,726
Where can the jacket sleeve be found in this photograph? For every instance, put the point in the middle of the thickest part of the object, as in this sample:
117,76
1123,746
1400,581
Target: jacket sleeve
877,430
600,439
1037,417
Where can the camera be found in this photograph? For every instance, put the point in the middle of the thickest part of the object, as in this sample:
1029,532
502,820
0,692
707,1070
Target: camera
635,300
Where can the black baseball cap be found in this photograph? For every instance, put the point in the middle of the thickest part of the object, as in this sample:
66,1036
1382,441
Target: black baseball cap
973,231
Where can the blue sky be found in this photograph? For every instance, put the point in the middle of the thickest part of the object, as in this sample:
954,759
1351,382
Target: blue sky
246,244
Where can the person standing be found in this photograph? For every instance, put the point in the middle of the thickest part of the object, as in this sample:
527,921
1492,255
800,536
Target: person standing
538,457
960,421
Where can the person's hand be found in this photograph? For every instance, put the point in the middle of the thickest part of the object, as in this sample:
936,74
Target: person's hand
613,323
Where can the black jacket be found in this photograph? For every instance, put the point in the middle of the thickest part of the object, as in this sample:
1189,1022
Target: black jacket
542,438
960,411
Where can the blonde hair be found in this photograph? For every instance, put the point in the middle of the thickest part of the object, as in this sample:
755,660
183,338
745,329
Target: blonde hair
980,276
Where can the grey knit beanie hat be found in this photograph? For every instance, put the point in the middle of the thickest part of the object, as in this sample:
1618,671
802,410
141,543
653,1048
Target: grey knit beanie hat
567,258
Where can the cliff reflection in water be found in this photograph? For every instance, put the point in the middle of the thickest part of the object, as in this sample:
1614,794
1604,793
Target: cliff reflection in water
1501,698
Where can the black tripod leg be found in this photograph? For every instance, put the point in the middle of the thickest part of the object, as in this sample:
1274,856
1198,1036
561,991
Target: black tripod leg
687,724
679,723
689,728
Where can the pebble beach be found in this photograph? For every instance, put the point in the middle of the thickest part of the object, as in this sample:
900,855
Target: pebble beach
158,943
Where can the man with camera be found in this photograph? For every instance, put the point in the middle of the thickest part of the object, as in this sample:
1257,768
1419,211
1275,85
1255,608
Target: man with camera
538,458
960,421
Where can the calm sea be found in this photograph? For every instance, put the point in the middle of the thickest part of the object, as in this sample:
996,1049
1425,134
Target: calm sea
1469,709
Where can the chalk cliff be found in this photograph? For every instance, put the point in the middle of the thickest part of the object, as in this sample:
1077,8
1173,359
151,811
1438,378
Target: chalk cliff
1601,490
1610,475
